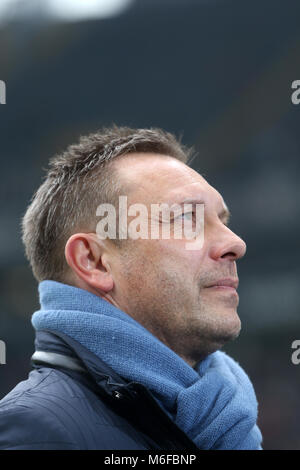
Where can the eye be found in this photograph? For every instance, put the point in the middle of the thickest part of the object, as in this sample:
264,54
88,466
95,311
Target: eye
188,215
187,219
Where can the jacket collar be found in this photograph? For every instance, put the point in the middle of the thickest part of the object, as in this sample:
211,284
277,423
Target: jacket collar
131,399
59,343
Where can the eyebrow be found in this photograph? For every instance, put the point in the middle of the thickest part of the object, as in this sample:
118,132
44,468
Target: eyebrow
224,214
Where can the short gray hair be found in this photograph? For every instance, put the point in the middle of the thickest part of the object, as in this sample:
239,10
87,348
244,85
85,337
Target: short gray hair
77,181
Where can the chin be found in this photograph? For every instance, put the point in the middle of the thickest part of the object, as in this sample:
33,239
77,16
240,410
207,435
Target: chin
223,330
230,328
220,339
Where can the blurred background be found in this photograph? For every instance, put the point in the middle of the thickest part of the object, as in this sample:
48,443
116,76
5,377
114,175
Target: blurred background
217,72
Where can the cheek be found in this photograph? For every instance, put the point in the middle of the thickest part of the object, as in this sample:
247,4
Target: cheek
150,260
187,260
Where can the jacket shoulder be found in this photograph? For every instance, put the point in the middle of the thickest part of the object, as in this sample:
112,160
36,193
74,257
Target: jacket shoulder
31,416
51,410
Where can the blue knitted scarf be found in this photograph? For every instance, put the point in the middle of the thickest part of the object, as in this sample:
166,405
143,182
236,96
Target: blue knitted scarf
214,404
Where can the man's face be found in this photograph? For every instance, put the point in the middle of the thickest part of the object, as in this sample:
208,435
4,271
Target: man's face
163,285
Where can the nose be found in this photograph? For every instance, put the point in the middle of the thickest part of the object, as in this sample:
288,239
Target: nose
227,245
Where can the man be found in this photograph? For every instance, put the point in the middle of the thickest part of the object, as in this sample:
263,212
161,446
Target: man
130,329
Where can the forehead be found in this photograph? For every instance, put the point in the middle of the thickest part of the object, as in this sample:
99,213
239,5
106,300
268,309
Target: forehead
153,178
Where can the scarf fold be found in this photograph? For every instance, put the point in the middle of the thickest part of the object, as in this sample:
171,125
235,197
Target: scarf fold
214,404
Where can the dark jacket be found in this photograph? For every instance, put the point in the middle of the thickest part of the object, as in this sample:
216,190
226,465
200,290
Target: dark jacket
82,404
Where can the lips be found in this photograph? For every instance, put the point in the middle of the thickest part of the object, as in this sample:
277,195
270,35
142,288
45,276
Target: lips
227,282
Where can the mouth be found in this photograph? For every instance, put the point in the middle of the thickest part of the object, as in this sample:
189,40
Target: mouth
227,285
227,282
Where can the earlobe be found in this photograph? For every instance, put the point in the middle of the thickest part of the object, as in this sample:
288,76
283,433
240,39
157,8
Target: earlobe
87,259
77,252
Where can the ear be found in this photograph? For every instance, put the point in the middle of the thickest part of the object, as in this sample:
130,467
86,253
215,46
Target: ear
88,258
